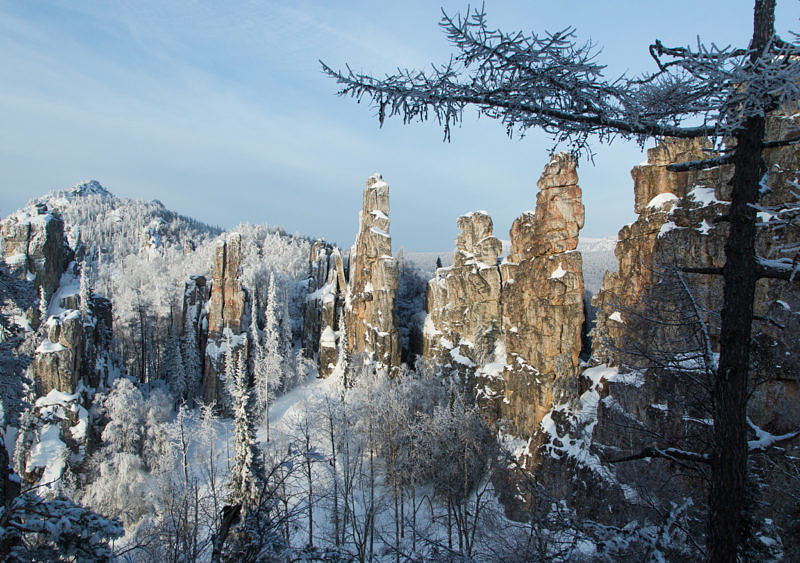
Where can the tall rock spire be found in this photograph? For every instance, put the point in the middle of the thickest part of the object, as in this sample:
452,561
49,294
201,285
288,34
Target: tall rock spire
543,300
373,283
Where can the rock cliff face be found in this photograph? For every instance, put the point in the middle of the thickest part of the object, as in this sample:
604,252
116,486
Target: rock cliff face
543,300
227,324
34,246
322,309
372,287
76,347
194,318
515,327
463,301
194,329
656,322
676,226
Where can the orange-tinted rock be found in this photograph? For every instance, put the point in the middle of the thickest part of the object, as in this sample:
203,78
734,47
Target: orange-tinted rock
226,309
559,214
543,301
372,287
326,287
463,301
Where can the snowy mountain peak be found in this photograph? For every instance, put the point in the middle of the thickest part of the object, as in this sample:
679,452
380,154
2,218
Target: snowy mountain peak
90,187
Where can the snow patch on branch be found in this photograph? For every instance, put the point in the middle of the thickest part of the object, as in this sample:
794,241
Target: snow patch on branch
764,440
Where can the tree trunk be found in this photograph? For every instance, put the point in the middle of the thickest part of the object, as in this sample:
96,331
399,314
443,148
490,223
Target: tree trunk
310,490
727,522
396,510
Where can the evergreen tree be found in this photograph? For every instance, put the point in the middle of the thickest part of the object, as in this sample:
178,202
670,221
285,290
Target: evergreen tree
272,358
554,83
192,362
290,374
85,291
230,363
176,372
246,475
42,305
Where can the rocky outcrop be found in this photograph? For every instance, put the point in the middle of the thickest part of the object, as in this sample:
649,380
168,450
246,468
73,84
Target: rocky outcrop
463,300
372,287
515,327
194,330
676,226
152,237
322,308
227,306
75,348
660,325
542,303
193,312
34,246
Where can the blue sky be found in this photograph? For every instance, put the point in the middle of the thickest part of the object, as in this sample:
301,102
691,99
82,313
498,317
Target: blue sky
219,109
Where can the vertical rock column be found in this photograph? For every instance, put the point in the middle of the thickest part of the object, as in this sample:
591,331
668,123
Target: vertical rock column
463,301
193,330
373,283
34,245
542,300
326,287
226,311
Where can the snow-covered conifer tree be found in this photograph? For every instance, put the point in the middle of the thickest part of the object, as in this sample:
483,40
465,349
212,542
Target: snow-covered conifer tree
246,475
176,373
42,304
230,363
85,291
192,364
270,361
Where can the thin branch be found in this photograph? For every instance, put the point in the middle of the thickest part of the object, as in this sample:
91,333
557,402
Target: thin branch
764,440
701,164
711,271
672,454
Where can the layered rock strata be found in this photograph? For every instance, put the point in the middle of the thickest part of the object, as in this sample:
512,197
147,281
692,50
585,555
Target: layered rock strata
675,226
660,324
228,303
372,287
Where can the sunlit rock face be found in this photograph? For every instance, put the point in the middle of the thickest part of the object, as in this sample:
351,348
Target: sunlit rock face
75,348
679,226
542,300
34,246
321,315
372,287
227,324
463,300
514,327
